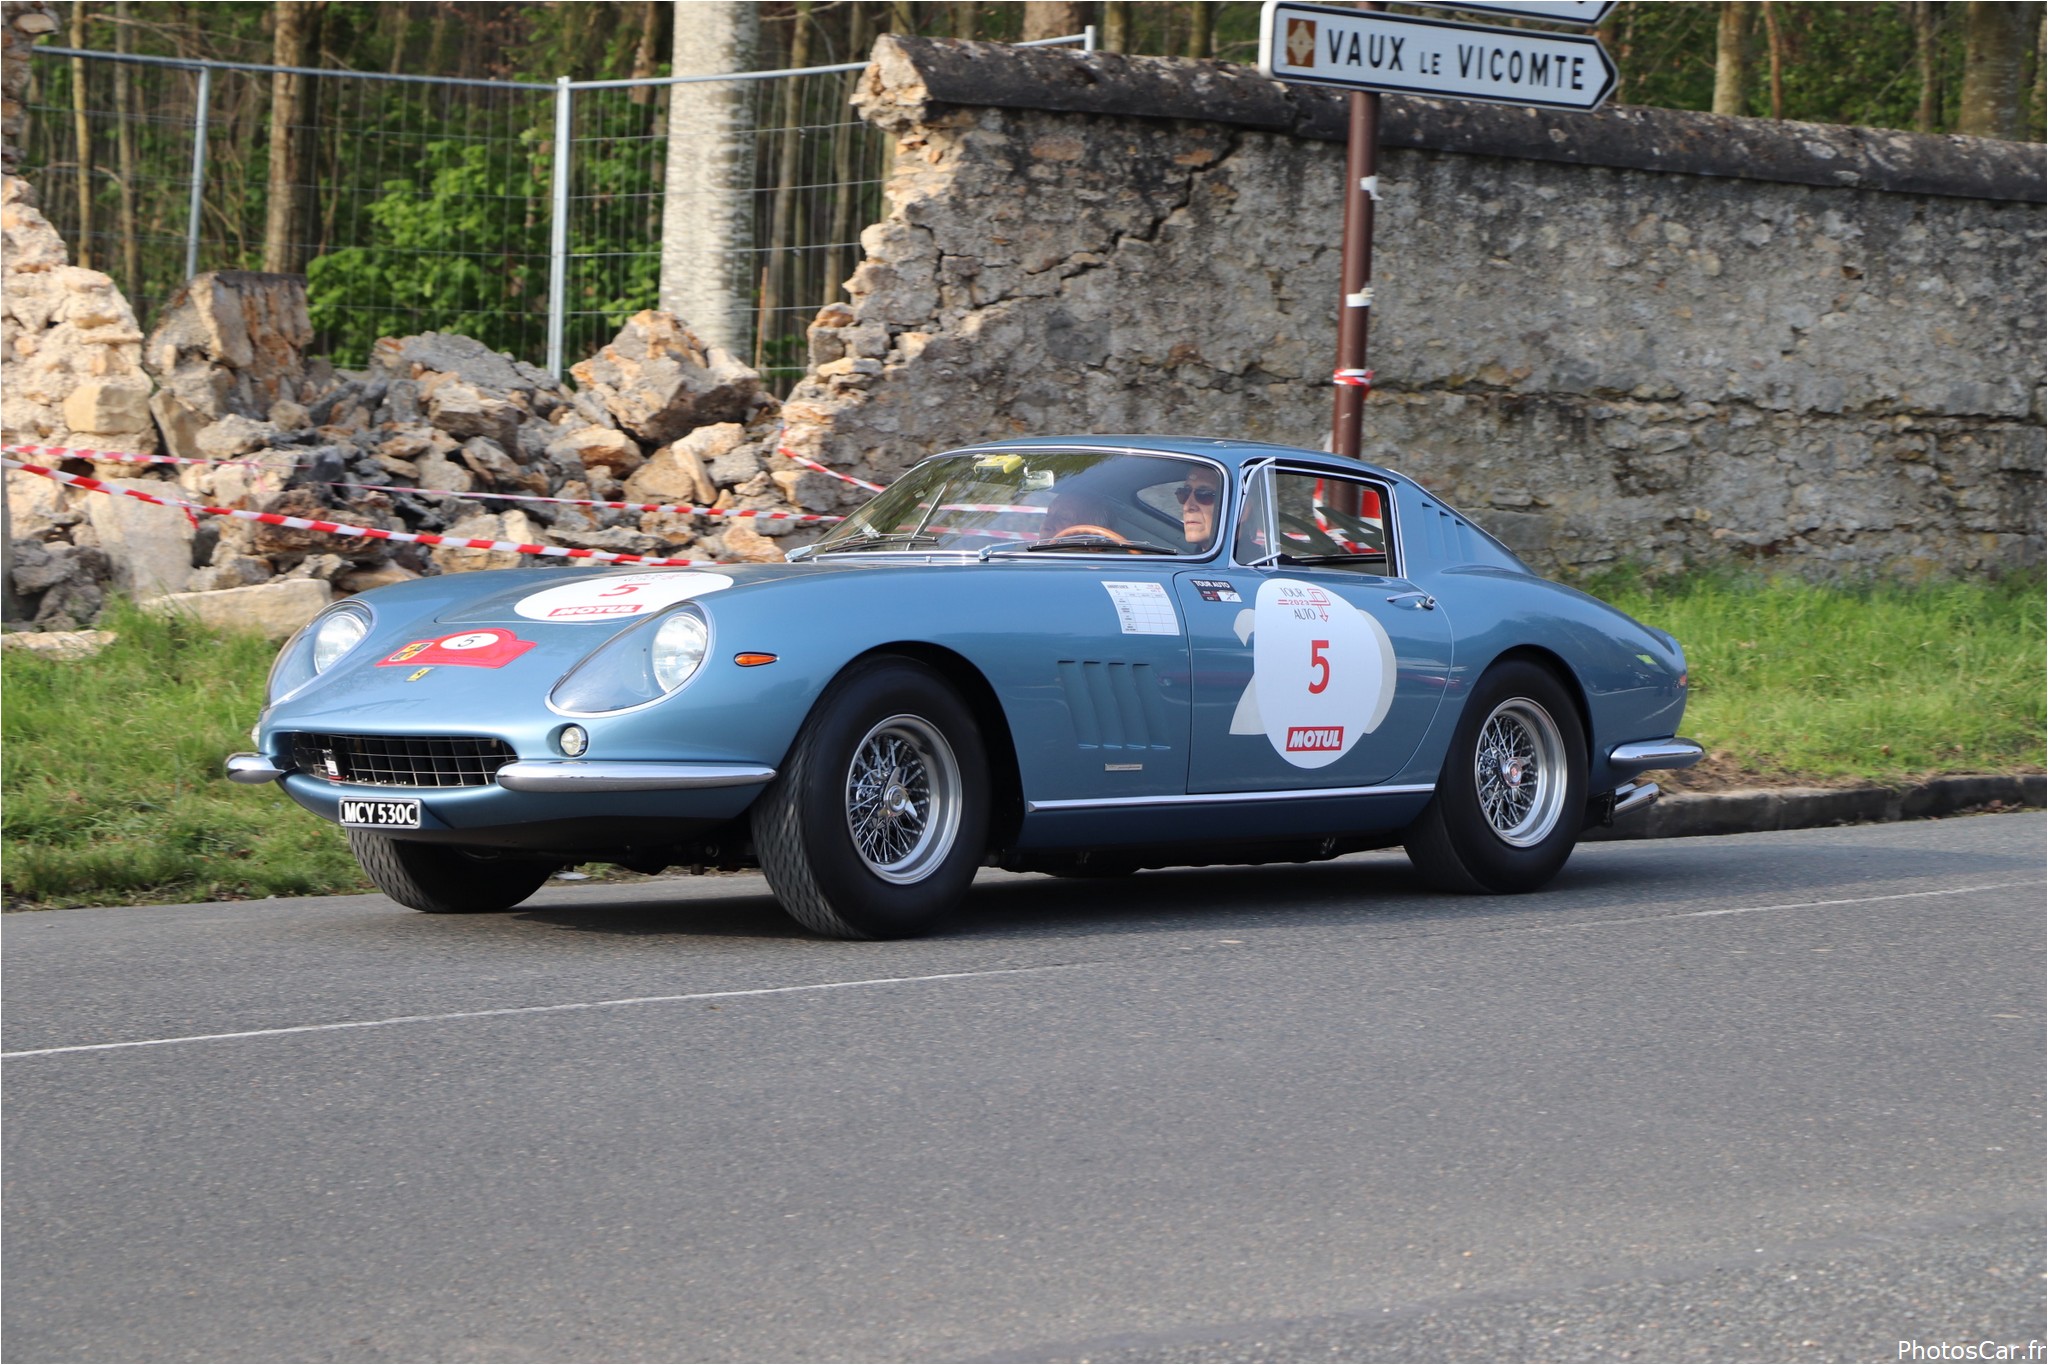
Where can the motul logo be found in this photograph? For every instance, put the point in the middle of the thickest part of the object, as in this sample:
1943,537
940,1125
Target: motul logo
1314,738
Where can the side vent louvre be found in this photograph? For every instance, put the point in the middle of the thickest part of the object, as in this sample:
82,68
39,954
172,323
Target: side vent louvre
1115,705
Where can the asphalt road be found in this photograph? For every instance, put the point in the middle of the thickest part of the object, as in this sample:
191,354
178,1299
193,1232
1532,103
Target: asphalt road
1773,1096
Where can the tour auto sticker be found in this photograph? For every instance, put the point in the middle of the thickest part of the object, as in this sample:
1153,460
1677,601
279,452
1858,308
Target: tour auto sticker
1322,673
617,597
471,648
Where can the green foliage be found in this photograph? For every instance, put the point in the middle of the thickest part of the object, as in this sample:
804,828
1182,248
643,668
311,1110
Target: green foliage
1863,680
112,781
458,252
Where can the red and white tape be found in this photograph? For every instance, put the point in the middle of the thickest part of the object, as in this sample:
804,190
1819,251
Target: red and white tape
788,454
336,528
1358,379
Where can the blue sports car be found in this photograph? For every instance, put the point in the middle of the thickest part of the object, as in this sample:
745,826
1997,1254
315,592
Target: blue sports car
1081,656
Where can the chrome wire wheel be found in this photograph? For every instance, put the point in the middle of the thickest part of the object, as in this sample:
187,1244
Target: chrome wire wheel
903,799
1519,772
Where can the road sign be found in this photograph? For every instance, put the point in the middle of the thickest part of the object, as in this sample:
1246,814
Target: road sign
1587,12
1408,55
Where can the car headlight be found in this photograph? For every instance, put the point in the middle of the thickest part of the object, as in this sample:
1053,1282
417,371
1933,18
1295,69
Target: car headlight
335,636
678,648
321,644
636,666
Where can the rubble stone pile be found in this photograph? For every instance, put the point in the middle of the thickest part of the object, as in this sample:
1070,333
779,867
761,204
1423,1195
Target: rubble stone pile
424,439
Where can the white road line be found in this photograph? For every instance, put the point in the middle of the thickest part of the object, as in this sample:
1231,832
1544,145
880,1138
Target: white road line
910,980
1758,909
532,1009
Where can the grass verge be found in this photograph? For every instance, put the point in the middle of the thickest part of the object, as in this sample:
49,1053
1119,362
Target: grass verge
1828,684
113,793
112,782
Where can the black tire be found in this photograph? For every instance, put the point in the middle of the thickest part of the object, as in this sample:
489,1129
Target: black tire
876,823
444,880
1511,800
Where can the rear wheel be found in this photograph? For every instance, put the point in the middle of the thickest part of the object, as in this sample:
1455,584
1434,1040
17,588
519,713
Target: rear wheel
444,880
1509,803
876,823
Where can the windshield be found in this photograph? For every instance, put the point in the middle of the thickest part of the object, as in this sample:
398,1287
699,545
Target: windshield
1043,501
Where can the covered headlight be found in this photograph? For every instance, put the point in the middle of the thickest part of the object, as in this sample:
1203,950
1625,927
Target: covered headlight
323,642
636,666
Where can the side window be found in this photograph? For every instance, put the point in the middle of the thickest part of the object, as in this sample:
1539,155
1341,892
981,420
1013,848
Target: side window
1328,519
1253,518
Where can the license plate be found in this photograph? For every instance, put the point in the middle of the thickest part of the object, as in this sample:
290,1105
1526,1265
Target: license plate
366,814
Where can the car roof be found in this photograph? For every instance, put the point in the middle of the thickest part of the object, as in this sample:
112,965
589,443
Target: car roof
1226,452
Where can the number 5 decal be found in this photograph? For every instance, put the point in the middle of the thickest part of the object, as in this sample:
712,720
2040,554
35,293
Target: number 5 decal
1316,659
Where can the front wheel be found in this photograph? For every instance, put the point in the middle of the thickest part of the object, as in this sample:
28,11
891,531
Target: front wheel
1511,798
442,880
877,822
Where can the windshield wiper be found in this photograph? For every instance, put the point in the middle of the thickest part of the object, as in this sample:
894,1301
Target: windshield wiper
1341,558
889,538
1143,547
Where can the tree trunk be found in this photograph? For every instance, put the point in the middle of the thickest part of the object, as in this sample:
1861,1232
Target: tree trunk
647,52
778,271
1731,65
707,216
1201,28
281,202
1927,118
845,161
902,17
124,160
1051,19
1777,41
81,128
1995,38
1116,26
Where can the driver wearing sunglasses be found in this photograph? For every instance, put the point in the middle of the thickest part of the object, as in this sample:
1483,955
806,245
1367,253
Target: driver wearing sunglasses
1198,498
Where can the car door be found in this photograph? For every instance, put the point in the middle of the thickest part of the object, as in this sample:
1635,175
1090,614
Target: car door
1315,664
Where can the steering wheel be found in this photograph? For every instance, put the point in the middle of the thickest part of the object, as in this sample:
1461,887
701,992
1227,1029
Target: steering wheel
1090,528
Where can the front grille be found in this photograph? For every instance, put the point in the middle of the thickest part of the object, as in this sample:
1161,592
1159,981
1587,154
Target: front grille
402,760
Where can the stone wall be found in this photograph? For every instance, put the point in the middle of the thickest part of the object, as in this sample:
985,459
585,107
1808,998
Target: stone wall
1648,335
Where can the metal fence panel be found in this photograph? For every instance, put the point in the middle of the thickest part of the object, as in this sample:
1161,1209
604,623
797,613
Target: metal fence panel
429,204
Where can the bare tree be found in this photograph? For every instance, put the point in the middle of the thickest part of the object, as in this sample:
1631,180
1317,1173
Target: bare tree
81,125
124,156
1928,117
646,52
1116,25
1776,38
1731,58
778,273
1201,28
287,91
1051,19
1995,40
707,212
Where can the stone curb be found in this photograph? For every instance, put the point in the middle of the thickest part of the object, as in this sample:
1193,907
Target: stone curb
1686,814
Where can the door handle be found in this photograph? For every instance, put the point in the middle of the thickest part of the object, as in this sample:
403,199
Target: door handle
1420,599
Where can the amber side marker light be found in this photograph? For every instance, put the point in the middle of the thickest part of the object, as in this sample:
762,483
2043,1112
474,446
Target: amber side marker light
753,660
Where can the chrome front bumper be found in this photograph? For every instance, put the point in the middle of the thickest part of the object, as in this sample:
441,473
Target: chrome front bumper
573,776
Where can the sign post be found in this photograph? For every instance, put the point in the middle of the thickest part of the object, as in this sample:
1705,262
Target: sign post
1367,51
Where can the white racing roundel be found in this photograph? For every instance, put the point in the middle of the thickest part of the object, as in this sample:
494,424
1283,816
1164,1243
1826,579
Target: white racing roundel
618,597
1324,671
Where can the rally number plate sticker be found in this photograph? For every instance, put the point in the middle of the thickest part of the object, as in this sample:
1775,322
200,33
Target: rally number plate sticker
362,813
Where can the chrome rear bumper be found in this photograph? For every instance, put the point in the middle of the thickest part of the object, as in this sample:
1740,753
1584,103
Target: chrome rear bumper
1640,756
